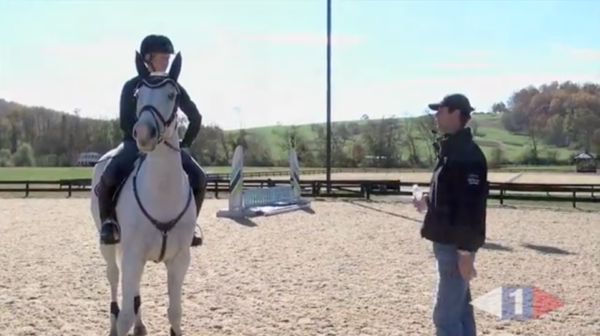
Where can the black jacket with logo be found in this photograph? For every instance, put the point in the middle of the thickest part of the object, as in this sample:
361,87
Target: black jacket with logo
458,194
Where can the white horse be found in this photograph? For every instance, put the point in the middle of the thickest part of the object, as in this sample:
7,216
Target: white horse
155,210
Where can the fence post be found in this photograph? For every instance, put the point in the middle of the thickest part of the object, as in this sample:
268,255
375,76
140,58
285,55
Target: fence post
70,189
593,191
574,199
216,189
27,189
367,190
501,196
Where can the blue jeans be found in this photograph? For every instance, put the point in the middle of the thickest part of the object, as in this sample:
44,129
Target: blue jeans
452,313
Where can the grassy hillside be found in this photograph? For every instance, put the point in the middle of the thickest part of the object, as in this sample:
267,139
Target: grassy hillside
490,134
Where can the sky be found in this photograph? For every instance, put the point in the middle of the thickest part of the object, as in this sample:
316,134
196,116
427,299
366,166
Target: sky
249,63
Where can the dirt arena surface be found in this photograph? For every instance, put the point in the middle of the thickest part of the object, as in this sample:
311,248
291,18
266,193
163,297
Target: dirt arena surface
557,178
349,269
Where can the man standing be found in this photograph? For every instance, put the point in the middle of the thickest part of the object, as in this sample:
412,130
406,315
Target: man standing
456,214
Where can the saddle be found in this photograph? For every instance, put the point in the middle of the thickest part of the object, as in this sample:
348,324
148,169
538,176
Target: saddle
119,188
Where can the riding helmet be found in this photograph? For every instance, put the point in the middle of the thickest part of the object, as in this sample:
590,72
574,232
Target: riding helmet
156,44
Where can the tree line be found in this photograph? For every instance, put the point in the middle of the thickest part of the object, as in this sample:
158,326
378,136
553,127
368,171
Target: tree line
557,114
36,136
563,115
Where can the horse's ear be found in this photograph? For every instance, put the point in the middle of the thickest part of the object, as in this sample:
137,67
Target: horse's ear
140,65
175,67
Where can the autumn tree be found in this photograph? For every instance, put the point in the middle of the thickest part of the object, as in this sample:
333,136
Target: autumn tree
340,137
258,152
409,141
382,140
426,128
499,107
293,137
555,114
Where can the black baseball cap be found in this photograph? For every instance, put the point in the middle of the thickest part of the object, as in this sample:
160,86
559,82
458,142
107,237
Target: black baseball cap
454,102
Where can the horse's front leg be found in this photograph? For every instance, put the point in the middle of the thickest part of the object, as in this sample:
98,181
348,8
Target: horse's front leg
139,328
109,253
132,267
176,271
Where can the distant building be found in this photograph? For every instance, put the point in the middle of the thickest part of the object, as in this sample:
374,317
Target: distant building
88,159
585,163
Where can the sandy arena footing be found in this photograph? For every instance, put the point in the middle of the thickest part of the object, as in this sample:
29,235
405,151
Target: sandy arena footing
350,269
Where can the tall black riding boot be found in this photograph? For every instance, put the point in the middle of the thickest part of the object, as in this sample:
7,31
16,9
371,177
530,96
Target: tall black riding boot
109,232
199,197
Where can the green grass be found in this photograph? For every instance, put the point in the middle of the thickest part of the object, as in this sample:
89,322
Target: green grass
43,173
60,173
490,134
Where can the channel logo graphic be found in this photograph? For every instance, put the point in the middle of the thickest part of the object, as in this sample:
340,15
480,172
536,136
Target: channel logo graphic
517,302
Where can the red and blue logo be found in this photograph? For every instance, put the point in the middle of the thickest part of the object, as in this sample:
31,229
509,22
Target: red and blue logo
517,302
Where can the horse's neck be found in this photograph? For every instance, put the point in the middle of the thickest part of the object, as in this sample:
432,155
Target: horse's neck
163,171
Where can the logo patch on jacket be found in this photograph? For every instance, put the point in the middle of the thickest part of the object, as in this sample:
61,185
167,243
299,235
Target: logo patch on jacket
473,179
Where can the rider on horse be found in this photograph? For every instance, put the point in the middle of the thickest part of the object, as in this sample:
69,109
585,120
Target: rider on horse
156,51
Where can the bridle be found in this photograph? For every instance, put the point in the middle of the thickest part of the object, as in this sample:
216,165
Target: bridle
156,115
163,227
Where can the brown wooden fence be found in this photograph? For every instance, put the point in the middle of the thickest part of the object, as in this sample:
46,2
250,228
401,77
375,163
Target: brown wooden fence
219,186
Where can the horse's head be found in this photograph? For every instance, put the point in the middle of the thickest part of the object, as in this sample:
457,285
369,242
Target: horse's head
157,98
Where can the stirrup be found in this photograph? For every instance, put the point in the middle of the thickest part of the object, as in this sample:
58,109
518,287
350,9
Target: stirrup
198,239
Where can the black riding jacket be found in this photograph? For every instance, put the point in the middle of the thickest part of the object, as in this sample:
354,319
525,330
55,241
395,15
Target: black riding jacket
128,113
458,194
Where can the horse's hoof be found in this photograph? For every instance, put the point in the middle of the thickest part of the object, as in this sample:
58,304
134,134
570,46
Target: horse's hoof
140,331
113,332
172,333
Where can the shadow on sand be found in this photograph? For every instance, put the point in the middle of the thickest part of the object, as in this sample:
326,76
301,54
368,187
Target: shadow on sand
309,211
546,249
383,211
245,222
496,247
248,222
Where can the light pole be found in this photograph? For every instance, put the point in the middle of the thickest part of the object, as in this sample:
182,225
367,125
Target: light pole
328,123
237,110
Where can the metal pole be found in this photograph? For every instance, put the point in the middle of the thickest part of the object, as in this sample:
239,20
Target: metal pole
237,110
328,177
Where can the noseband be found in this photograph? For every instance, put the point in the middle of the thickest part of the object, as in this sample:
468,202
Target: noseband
157,82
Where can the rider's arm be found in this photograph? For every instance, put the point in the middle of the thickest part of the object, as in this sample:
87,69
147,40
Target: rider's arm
188,107
127,107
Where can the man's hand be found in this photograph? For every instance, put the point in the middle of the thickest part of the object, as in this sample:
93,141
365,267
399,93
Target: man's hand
466,265
420,205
